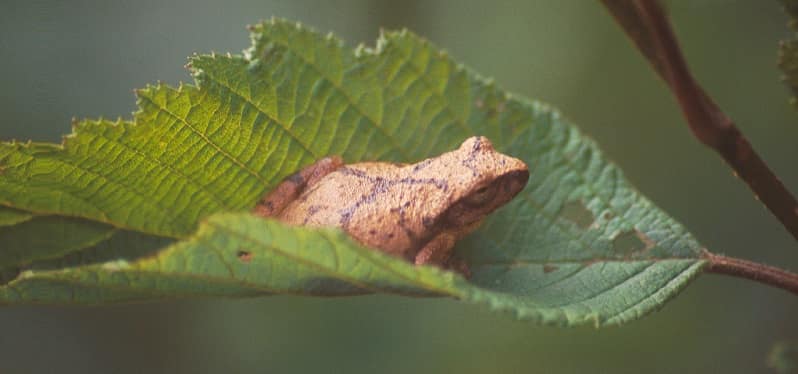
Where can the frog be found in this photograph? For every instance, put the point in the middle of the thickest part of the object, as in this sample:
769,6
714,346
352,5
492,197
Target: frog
416,211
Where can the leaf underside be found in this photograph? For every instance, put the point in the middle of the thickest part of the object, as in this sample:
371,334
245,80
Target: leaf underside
157,207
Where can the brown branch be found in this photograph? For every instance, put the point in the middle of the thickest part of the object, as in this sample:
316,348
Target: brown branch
645,22
751,270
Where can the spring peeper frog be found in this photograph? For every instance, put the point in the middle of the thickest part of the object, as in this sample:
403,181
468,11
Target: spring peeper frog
415,211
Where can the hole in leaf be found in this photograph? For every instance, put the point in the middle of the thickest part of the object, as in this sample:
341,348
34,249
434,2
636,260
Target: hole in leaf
549,268
632,241
576,212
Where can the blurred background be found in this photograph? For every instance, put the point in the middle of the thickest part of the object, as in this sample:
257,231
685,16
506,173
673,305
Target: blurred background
83,58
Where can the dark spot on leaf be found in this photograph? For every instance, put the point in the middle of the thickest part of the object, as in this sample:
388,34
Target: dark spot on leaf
244,256
576,212
633,241
549,268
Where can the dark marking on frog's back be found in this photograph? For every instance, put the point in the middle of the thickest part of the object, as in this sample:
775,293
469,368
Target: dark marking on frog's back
421,165
346,216
355,172
403,224
470,160
380,185
477,145
312,210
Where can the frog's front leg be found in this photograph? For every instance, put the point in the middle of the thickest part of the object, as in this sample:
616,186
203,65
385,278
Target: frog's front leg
291,187
438,251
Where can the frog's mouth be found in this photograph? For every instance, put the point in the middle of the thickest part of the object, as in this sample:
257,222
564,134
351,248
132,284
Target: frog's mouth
484,199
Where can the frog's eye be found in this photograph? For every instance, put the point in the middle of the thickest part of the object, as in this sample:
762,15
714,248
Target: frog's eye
481,196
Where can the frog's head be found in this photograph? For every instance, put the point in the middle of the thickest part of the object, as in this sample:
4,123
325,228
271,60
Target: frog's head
482,180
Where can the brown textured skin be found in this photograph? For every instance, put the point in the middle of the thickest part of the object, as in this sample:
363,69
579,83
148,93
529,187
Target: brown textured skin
416,211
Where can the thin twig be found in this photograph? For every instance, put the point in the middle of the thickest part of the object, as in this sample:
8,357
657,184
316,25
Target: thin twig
645,22
751,270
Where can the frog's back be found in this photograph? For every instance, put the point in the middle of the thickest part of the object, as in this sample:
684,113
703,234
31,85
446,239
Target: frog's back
334,199
360,199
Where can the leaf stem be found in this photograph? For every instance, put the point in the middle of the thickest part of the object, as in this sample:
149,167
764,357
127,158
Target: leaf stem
645,22
755,271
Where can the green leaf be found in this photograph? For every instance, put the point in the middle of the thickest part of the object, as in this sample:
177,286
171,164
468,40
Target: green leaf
10,217
243,255
239,255
27,238
48,237
578,245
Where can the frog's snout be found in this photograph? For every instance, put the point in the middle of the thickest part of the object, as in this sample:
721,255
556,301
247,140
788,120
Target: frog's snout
515,181
521,176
